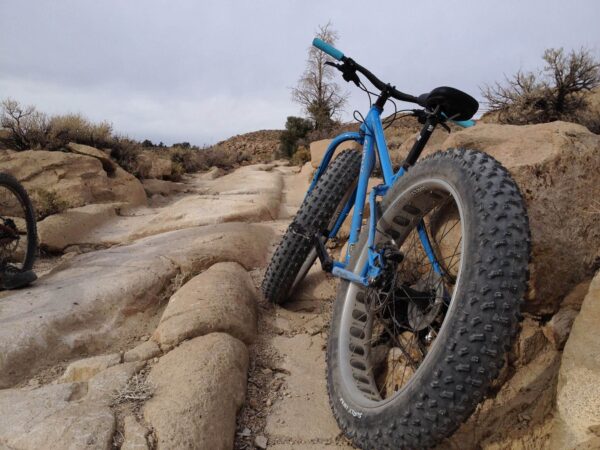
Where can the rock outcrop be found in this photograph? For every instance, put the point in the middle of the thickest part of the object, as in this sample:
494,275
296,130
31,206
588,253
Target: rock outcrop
117,290
72,179
577,419
556,166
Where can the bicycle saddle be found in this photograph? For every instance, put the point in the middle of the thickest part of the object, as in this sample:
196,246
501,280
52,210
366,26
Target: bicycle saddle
457,105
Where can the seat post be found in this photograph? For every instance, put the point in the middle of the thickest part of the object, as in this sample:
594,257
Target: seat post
424,135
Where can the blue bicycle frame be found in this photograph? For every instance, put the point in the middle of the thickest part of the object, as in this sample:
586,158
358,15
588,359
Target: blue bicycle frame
371,137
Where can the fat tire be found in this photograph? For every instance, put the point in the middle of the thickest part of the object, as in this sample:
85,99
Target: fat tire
314,215
19,191
481,328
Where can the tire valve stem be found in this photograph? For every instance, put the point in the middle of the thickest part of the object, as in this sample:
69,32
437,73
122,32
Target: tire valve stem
430,337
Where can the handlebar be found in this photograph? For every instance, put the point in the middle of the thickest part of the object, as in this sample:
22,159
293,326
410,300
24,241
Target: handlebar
339,55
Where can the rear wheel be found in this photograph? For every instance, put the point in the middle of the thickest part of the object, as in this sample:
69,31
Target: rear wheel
319,211
18,234
409,361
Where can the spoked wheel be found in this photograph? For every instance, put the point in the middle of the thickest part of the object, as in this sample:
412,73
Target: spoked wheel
18,239
410,358
402,318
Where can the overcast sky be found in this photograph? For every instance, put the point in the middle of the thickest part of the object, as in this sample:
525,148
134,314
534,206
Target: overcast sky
201,71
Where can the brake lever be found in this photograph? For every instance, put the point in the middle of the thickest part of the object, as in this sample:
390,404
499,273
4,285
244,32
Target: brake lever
348,72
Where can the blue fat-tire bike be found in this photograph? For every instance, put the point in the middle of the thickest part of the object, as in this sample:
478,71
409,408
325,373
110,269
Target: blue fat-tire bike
428,303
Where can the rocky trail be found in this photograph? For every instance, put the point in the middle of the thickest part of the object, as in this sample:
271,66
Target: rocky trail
146,329
143,296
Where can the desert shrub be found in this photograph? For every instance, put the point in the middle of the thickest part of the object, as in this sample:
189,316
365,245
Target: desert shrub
557,92
177,171
187,160
47,202
300,156
126,153
67,128
296,129
28,128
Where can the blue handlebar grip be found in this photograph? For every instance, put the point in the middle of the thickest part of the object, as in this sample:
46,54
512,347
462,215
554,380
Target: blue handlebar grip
464,123
329,49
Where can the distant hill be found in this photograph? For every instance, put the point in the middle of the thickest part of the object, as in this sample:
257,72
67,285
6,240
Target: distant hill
250,148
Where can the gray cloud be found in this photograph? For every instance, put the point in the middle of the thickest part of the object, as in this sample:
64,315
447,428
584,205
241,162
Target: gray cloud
204,70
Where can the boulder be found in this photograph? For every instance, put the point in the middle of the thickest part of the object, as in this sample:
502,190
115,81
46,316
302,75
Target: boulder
73,179
199,387
223,298
152,165
107,164
84,369
53,417
71,227
162,187
318,149
100,297
578,392
135,435
142,352
556,166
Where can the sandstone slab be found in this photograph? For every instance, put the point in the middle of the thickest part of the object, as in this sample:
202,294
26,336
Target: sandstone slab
222,298
52,417
112,294
200,386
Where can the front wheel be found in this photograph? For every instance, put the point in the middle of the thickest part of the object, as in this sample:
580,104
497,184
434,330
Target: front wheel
319,211
409,361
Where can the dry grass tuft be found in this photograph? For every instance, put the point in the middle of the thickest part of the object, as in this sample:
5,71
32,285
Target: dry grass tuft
138,390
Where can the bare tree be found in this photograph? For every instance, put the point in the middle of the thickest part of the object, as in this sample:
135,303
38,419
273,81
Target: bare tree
554,93
28,127
321,97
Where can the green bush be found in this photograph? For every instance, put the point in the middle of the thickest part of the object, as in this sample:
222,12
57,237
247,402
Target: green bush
296,129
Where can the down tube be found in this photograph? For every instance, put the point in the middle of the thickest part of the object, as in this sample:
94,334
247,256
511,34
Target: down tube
366,166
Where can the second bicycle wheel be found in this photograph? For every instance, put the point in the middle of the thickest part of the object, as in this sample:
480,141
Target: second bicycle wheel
18,232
